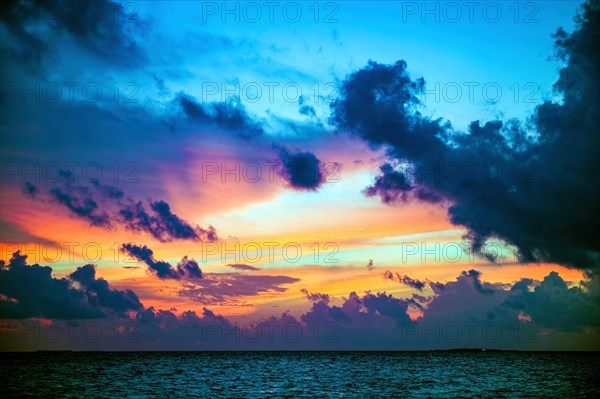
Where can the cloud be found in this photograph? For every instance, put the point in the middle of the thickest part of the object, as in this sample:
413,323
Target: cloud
316,297
230,115
163,225
100,295
390,185
554,305
209,288
551,305
372,320
502,176
12,233
386,305
33,292
186,269
108,191
306,109
404,279
379,311
302,170
476,276
30,190
420,298
84,207
102,28
222,288
104,206
81,201
370,265
241,266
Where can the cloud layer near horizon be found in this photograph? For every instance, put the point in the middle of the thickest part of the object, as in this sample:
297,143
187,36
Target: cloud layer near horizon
549,305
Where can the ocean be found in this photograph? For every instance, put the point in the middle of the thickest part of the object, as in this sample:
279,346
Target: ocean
453,374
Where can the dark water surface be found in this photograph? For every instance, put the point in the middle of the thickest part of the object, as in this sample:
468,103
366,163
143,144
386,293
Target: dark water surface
299,374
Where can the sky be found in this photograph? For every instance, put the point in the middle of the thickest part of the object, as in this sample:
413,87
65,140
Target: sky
330,175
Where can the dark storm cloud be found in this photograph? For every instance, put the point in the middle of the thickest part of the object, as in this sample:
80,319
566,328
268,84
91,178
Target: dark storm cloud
378,103
230,115
404,279
33,292
186,269
242,266
537,191
102,27
302,170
